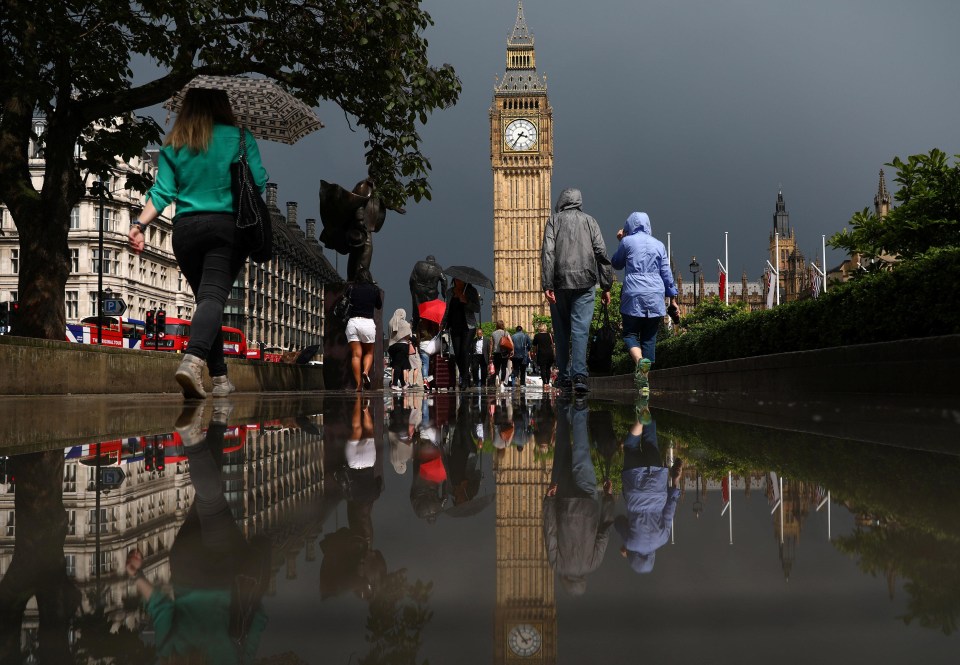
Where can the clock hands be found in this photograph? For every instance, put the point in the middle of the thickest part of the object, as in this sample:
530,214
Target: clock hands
519,136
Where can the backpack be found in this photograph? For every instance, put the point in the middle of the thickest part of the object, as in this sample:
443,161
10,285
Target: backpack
505,343
600,358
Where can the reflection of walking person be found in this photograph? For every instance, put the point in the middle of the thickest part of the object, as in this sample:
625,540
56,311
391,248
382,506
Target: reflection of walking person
651,494
194,171
215,614
576,527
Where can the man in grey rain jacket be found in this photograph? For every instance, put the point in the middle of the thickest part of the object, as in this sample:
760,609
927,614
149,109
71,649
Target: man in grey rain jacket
573,259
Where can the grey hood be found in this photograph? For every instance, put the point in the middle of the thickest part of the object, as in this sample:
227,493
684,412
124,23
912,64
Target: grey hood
569,198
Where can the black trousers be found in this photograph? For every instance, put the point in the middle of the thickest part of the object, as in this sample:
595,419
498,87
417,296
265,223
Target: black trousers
210,259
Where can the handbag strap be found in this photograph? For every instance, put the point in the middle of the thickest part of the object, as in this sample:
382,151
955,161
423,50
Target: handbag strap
243,144
606,316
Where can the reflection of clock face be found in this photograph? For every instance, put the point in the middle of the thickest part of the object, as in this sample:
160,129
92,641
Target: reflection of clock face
524,640
520,135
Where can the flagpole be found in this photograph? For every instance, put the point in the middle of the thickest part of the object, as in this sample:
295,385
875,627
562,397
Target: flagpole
777,237
823,242
726,268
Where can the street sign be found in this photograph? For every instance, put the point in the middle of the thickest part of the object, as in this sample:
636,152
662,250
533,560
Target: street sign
111,477
114,307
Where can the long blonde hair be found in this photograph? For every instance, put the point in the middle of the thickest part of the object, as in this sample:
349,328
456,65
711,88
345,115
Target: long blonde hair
193,127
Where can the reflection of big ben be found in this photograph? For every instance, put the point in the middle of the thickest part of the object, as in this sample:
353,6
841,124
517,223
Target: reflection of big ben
521,154
525,625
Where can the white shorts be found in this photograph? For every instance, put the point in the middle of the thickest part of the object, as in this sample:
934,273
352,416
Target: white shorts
360,329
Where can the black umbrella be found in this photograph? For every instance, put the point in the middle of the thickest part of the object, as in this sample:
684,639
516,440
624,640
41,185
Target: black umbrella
469,275
471,507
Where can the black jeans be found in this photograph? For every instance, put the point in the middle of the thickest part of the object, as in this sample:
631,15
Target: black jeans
210,259
462,340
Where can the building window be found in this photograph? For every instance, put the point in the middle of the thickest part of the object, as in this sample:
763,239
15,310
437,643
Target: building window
93,303
75,218
74,260
71,561
72,304
15,261
111,262
109,218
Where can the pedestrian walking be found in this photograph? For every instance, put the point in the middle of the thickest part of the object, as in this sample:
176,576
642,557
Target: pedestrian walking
398,349
479,358
194,171
543,352
500,351
573,259
521,356
365,300
461,319
647,282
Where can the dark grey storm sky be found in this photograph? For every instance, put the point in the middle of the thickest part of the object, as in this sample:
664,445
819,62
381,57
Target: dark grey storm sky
695,111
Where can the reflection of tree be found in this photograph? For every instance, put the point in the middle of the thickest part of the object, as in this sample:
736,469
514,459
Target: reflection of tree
38,567
923,542
930,564
398,615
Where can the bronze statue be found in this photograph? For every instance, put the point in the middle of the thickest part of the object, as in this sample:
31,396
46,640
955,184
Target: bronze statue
349,221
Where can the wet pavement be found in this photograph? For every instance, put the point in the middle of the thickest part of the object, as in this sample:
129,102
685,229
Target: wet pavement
478,528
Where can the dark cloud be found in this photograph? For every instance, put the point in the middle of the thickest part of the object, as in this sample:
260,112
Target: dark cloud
695,112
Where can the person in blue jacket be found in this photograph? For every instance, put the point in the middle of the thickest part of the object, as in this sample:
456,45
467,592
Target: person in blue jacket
647,280
651,493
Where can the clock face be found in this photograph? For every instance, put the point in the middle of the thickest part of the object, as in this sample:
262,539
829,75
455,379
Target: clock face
520,134
524,640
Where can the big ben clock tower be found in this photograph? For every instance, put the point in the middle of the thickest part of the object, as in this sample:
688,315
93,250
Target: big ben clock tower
521,154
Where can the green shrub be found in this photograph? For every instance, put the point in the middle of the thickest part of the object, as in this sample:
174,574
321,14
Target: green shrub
916,299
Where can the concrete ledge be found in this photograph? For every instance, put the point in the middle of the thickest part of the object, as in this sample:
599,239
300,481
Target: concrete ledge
924,366
51,367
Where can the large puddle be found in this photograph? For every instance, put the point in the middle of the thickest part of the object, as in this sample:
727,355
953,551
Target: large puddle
476,529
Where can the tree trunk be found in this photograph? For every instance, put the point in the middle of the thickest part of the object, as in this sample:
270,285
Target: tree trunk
43,230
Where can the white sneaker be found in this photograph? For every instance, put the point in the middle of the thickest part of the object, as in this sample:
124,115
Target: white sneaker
395,388
428,378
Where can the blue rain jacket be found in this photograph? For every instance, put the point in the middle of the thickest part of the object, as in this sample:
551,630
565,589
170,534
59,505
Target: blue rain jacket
646,279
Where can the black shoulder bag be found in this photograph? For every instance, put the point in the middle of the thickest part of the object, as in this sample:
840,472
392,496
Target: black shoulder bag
254,226
602,342
343,307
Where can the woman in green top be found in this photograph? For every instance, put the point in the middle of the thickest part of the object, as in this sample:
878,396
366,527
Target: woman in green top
194,173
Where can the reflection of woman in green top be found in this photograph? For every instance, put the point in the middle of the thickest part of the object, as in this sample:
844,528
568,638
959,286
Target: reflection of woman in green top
214,614
194,173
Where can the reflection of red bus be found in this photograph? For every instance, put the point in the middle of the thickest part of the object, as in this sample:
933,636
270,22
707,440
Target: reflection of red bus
234,342
176,334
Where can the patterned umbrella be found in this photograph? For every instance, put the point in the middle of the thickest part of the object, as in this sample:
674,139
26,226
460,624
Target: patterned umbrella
267,110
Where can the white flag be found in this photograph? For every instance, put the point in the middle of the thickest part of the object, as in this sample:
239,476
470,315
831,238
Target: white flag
771,285
817,283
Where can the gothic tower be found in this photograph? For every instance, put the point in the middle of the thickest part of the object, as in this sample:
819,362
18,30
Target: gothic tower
882,201
521,155
790,262
525,621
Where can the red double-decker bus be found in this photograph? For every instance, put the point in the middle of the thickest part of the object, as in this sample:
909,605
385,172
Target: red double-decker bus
176,335
234,342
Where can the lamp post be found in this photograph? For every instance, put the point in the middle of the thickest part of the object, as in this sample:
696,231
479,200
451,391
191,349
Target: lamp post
694,270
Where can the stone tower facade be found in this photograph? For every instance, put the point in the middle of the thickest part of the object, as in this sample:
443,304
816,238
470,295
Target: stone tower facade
525,622
882,200
794,273
521,156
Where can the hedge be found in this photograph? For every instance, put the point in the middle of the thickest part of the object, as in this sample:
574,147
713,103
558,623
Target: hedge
916,299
